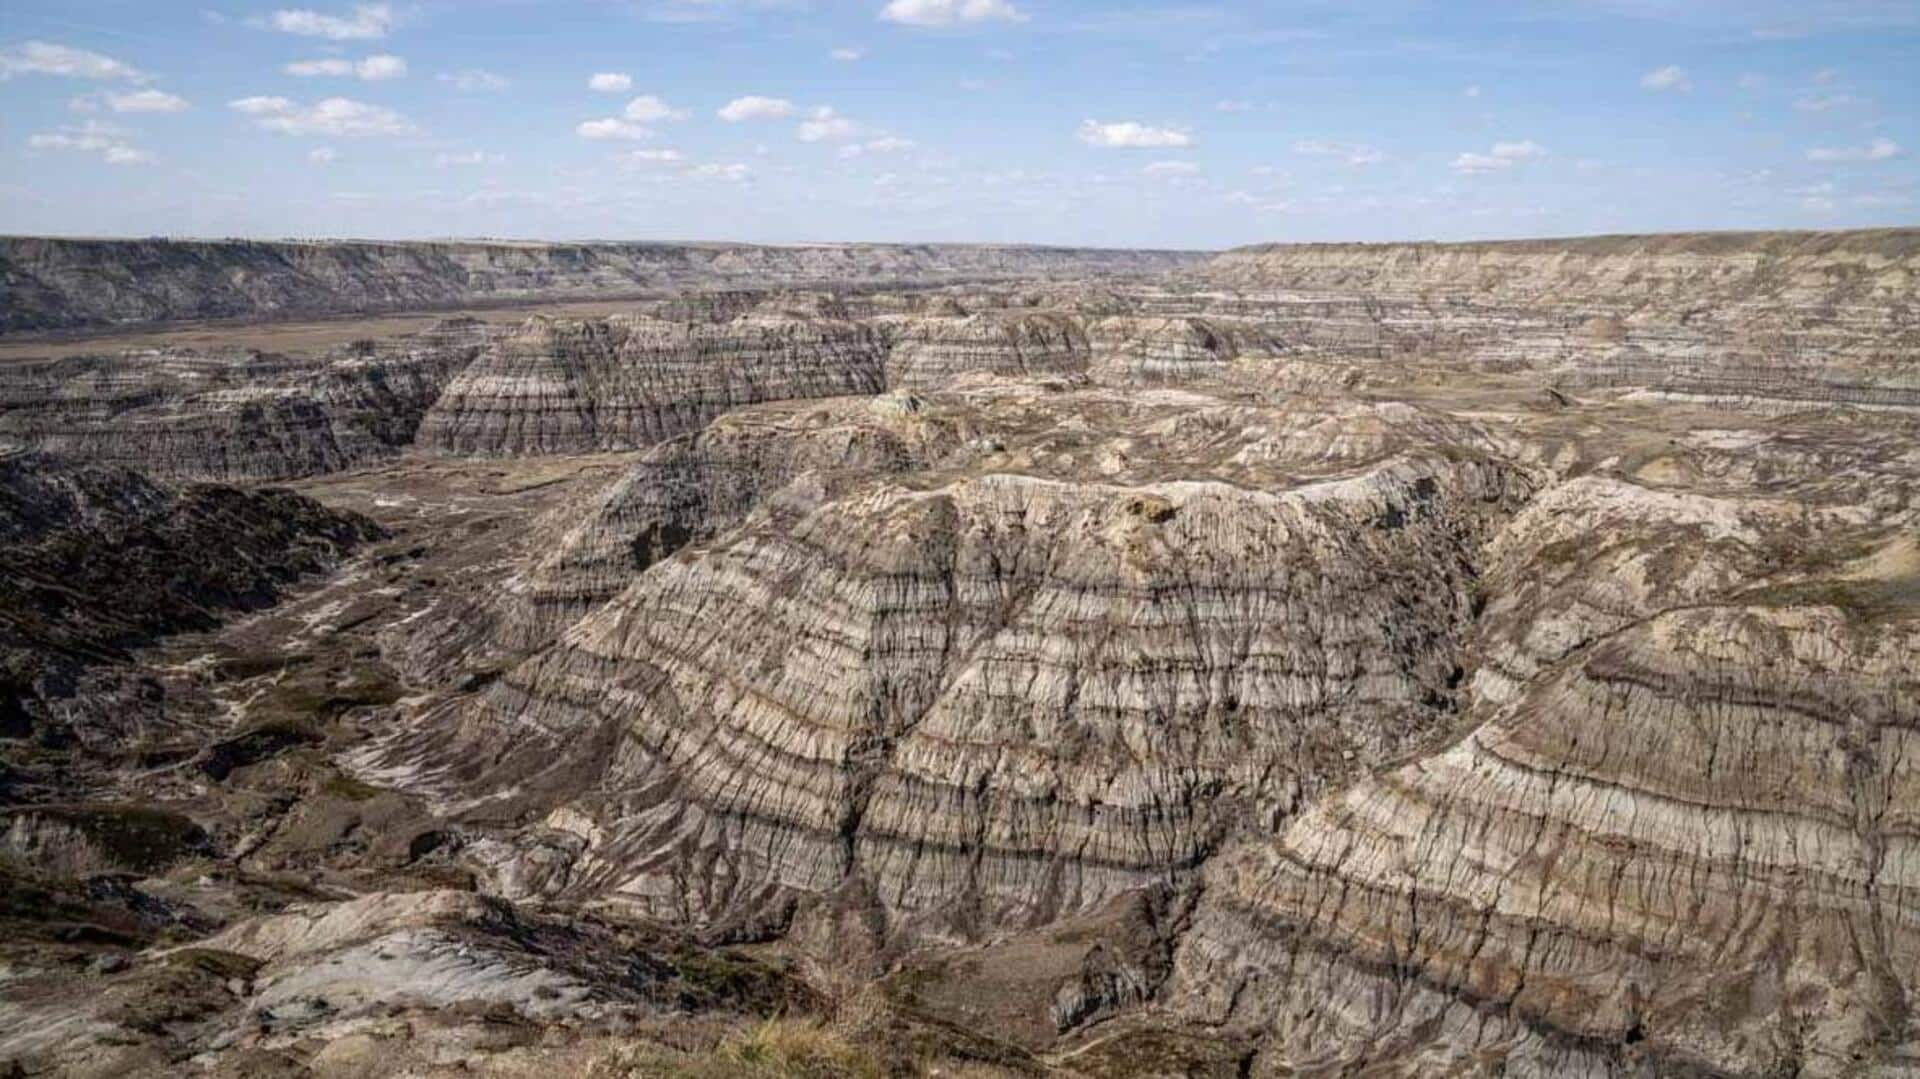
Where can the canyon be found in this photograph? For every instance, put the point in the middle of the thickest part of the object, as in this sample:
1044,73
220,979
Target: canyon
1323,659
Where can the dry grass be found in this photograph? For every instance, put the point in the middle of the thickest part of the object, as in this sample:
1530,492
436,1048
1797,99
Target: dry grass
851,998
776,1049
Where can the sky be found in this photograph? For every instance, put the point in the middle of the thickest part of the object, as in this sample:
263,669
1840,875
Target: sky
1150,124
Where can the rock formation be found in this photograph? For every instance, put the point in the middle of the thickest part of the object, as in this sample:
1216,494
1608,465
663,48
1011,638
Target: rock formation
100,560
229,418
928,351
66,284
569,386
692,488
1326,659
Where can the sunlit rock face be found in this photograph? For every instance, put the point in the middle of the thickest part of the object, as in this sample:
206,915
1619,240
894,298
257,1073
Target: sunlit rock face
693,488
927,352
231,417
1688,846
570,386
995,699
65,284
1386,660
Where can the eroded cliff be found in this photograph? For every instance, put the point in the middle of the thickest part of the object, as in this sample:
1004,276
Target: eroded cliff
1476,659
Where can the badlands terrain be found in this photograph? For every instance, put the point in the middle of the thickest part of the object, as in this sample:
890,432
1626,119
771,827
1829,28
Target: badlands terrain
703,660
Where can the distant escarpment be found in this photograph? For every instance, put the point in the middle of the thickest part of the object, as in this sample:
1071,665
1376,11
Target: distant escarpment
71,284
1773,320
1753,267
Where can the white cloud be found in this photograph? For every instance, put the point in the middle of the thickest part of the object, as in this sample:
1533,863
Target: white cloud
847,56
710,171
1671,77
89,136
1880,149
370,69
1751,82
367,21
1130,135
1874,199
885,144
93,138
949,12
1232,106
140,101
825,125
1472,91
329,116
610,82
611,128
1257,203
314,69
649,109
260,106
1353,153
473,79
1519,151
753,107
1505,155
1825,76
43,58
322,155
1470,163
1825,102
460,160
656,157
376,68
1172,168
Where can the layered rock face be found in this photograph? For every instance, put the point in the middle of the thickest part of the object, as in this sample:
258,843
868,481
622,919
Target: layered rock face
996,701
572,386
62,284
692,488
1168,350
1391,660
1870,269
1677,840
231,418
1688,847
1778,320
927,352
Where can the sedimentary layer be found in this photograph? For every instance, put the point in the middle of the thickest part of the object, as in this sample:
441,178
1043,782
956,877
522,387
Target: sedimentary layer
231,417
1010,696
63,284
575,386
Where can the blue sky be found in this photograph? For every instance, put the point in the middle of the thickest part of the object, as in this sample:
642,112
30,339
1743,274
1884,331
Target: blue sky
1045,121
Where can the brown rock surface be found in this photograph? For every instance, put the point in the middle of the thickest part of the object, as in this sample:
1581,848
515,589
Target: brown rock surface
1360,659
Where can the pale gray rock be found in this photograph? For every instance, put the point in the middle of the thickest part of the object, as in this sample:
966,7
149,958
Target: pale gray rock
576,386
